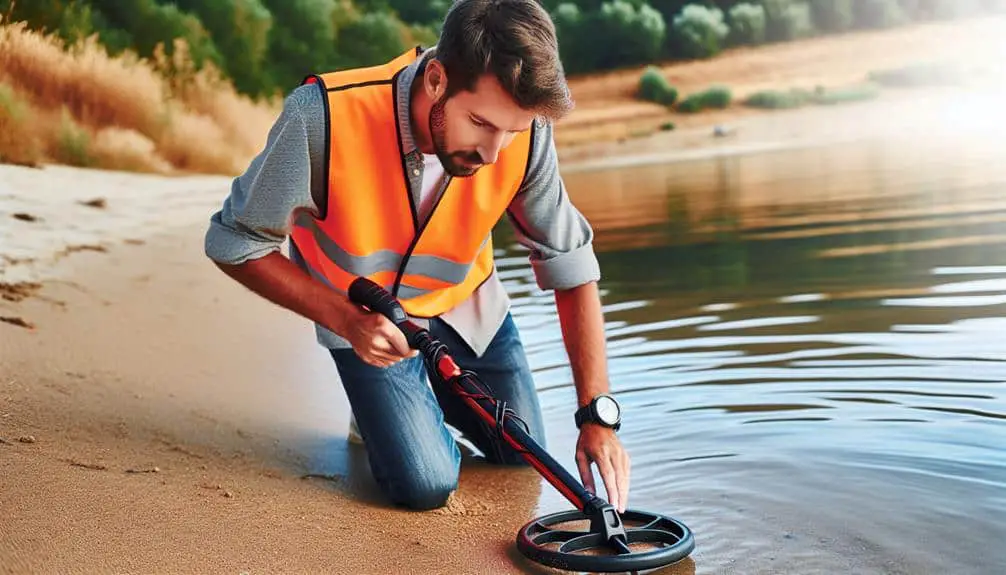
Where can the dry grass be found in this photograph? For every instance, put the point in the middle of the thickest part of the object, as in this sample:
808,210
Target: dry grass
77,105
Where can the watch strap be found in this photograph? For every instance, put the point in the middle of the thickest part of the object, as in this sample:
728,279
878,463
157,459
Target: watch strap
585,414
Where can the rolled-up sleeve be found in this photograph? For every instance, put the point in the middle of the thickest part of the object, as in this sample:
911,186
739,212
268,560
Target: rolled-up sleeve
559,237
256,215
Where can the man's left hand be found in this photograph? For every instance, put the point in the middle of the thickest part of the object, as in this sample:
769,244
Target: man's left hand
600,445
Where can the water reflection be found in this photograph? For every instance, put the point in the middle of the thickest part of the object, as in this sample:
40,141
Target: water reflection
810,348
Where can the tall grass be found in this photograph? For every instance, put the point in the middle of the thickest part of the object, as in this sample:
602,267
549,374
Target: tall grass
77,105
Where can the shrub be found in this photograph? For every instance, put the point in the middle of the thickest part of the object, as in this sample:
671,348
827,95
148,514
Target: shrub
747,24
778,99
699,31
637,31
240,30
142,25
573,49
787,20
72,144
831,15
654,87
587,34
716,97
19,142
867,14
301,41
370,39
797,97
71,96
848,94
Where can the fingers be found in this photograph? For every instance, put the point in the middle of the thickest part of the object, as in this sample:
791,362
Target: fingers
607,471
613,465
395,341
583,463
623,481
400,345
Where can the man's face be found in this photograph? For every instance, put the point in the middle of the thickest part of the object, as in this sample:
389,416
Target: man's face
469,129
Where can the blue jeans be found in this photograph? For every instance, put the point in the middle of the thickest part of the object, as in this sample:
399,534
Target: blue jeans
412,455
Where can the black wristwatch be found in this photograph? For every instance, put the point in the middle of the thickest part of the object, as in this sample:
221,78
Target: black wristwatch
602,410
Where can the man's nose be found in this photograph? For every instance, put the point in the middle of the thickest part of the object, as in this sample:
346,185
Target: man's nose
490,149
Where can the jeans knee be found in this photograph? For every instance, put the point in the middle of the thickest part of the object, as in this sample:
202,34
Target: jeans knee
424,492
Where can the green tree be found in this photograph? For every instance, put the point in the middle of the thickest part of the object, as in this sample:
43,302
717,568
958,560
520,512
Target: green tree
302,40
698,31
240,30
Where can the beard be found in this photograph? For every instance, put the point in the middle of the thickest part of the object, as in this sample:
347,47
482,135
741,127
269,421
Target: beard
454,163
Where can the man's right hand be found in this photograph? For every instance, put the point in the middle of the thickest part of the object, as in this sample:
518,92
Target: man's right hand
376,340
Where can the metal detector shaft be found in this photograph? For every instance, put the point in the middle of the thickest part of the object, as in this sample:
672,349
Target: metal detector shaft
371,295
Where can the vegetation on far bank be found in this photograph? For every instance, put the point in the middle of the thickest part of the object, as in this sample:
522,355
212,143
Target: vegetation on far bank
193,85
82,107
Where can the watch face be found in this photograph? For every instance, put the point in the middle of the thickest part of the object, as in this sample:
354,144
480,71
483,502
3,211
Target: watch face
607,410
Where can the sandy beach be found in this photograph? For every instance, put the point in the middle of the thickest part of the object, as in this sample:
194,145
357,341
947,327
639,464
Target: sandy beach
147,424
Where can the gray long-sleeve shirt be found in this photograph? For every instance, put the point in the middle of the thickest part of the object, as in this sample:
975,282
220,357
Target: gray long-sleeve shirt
288,174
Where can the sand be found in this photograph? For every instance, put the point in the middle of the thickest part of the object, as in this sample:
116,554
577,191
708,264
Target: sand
146,425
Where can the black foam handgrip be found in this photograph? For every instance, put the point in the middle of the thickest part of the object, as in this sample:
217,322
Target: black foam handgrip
368,293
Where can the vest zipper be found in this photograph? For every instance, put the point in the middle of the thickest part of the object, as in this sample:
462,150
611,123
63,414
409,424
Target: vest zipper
415,239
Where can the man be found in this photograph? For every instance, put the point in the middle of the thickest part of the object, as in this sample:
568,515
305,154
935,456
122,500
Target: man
398,172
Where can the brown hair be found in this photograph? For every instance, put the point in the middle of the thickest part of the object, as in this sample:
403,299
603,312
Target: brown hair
514,40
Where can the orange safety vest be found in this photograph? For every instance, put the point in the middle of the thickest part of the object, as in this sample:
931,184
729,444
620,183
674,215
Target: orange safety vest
369,228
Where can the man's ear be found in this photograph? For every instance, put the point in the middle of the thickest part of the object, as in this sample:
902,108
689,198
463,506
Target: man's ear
435,79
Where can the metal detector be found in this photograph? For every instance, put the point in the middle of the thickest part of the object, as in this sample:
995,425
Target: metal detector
632,541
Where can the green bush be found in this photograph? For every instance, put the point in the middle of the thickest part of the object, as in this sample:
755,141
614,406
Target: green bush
654,87
302,41
747,24
870,14
716,97
778,99
848,94
419,11
240,30
70,20
637,31
798,97
142,25
699,31
831,15
373,37
611,35
787,20
573,46
73,144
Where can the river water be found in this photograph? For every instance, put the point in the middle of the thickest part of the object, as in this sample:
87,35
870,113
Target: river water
810,348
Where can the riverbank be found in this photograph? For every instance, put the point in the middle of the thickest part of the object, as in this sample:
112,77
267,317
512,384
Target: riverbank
157,418
609,110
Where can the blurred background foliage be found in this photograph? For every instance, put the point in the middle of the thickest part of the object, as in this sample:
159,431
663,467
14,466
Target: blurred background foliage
266,47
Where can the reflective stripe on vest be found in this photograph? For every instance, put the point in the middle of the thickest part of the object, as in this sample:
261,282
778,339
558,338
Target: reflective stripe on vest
369,227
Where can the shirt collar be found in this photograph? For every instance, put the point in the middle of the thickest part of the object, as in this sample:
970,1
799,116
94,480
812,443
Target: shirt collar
405,80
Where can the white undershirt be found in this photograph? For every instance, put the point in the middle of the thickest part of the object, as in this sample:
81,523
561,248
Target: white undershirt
433,174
